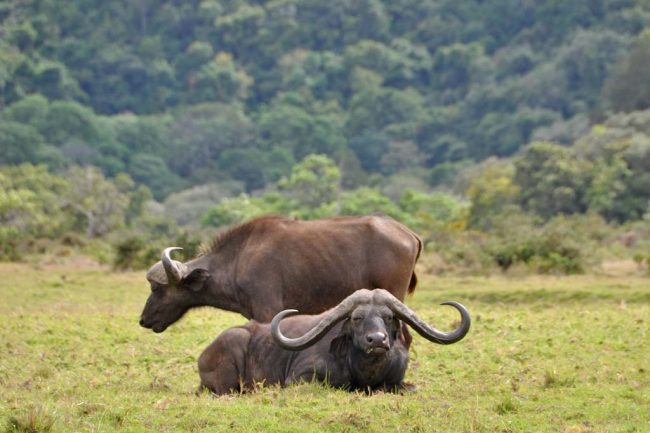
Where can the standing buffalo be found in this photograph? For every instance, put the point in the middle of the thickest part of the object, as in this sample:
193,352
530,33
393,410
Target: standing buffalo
356,345
273,263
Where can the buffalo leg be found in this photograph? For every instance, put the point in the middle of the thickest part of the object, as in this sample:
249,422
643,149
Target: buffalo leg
221,364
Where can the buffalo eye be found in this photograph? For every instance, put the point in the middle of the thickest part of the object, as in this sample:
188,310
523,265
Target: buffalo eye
357,319
388,319
155,288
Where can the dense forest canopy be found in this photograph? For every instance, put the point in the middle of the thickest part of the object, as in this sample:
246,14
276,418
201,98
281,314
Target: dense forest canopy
428,110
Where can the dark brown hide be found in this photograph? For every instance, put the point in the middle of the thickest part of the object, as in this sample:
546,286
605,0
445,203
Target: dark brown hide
272,263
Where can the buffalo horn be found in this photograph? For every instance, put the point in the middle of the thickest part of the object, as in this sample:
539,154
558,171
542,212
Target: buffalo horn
407,315
173,271
332,317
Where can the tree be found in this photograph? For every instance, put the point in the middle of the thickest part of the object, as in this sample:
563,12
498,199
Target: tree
246,165
619,151
375,108
18,143
302,125
456,67
152,171
235,210
66,121
197,54
491,191
321,73
370,148
431,211
393,65
188,206
53,79
502,134
552,179
97,200
238,31
610,179
627,88
364,201
200,133
31,110
314,181
30,207
401,155
219,81
142,134
18,211
586,60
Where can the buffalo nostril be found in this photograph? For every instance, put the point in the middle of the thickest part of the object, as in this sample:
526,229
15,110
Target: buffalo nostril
141,322
376,337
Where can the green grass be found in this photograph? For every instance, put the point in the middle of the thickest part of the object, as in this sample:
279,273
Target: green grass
545,354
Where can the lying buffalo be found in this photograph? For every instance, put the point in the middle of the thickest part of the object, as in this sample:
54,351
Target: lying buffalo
356,345
273,263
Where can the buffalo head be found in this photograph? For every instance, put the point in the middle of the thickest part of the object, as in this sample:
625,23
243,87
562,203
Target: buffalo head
371,324
174,289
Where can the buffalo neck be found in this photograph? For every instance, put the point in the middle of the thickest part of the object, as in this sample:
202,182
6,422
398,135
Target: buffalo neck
220,290
370,370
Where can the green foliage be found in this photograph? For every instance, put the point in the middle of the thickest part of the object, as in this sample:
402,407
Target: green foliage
245,165
627,88
19,143
17,212
66,121
244,207
392,97
552,179
31,109
100,205
199,134
608,183
135,251
364,201
30,207
187,207
562,245
313,181
376,108
435,211
312,191
301,126
151,170
142,134
491,189
619,151
219,81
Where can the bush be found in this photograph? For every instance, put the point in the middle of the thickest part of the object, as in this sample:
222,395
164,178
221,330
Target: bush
133,251
10,247
564,244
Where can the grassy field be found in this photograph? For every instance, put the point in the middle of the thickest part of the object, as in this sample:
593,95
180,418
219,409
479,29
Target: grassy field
544,354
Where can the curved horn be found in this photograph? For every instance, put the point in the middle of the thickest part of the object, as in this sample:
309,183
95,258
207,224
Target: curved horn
331,318
173,271
407,315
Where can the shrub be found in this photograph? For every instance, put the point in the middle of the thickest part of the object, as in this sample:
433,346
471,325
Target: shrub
134,251
564,244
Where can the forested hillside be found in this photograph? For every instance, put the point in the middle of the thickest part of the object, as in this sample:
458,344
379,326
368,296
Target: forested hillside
439,112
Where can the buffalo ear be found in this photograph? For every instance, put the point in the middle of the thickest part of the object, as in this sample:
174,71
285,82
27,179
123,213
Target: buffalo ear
403,335
339,345
396,329
195,280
